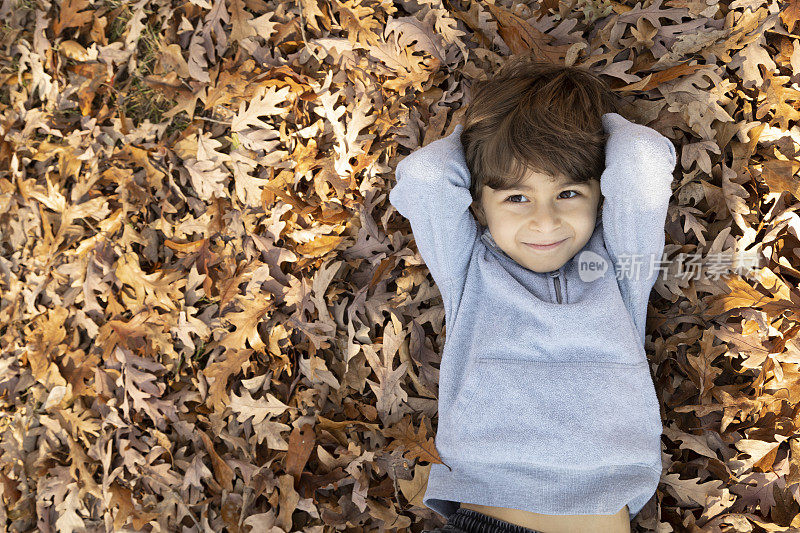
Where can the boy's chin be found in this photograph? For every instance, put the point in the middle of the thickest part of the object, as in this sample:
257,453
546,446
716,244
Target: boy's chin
542,267
543,270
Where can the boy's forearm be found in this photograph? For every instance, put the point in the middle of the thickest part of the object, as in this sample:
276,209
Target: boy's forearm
637,186
432,192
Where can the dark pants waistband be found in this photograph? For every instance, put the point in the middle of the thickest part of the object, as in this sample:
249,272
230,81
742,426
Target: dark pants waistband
475,522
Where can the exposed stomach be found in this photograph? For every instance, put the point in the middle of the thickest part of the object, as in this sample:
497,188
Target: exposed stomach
596,523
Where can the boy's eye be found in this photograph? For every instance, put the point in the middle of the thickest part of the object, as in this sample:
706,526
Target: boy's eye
523,196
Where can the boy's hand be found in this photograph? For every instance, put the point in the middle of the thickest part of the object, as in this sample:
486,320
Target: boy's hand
625,135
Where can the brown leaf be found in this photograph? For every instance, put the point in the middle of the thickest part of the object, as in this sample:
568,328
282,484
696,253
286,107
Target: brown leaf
418,444
222,472
301,443
71,16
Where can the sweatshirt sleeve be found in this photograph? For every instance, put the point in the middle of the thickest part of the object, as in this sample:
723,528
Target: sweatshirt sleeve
432,192
636,185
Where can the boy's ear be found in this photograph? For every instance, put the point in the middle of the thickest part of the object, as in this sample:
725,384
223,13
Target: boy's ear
477,211
599,215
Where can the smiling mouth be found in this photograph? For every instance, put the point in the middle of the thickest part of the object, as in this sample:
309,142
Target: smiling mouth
545,246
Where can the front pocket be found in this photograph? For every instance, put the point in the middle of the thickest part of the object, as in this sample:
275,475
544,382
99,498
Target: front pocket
567,334
572,415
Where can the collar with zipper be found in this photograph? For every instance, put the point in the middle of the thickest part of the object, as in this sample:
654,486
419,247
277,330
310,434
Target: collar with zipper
555,275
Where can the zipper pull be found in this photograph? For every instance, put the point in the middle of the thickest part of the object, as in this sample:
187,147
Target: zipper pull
556,283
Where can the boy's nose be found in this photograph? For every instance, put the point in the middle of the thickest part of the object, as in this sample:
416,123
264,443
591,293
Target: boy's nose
545,220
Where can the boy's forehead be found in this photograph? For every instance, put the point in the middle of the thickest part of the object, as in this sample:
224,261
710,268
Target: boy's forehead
534,177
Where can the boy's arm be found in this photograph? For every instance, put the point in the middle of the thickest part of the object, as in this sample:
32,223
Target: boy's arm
432,192
636,184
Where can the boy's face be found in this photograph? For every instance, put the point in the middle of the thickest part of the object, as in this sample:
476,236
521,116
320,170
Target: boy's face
541,211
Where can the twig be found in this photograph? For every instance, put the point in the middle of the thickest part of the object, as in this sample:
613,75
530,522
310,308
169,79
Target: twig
303,32
228,123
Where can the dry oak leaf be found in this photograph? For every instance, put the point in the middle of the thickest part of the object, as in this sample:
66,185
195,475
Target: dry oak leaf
742,295
246,406
241,27
70,15
263,104
413,489
68,518
224,473
417,443
121,497
516,32
260,409
301,444
220,371
159,288
246,323
690,493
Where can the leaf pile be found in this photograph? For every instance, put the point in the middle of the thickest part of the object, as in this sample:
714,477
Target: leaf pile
211,318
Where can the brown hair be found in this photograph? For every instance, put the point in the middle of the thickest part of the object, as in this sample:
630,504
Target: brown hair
539,116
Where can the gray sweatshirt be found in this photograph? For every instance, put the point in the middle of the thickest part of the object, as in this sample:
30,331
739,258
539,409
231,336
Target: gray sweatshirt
546,402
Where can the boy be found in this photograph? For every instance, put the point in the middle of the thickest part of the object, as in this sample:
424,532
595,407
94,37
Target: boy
548,417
